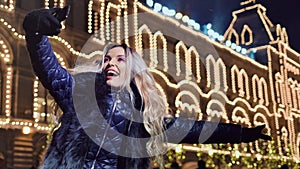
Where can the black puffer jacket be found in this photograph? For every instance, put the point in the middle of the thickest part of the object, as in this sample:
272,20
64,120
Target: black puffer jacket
89,106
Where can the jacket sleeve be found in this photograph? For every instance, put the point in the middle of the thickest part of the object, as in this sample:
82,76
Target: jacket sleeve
180,130
45,65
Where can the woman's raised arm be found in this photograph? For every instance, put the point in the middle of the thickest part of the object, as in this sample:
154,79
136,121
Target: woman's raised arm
37,25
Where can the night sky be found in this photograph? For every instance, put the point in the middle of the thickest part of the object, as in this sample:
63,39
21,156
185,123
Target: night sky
218,13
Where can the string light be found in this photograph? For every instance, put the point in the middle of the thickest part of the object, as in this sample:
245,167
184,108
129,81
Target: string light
193,108
7,5
159,36
141,32
90,19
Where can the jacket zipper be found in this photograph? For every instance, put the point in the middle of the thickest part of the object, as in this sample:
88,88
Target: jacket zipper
106,129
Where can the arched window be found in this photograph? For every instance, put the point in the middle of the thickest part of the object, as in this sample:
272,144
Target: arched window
160,56
233,37
145,48
195,63
246,35
181,58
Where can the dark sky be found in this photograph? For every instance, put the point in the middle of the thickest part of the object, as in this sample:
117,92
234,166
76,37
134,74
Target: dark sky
218,12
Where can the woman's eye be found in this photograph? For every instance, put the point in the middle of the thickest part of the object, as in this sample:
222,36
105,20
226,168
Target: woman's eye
121,59
106,59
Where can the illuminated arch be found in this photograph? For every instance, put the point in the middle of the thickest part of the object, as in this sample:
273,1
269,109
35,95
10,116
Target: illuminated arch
212,111
239,115
144,29
187,61
164,56
195,106
260,90
235,35
234,78
100,29
216,73
210,69
247,32
113,27
242,82
220,75
192,50
260,119
105,20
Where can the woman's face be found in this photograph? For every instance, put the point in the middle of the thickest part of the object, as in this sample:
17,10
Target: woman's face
115,67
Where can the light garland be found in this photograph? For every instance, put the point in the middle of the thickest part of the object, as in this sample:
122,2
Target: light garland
113,26
212,112
245,2
178,46
6,56
192,108
35,99
20,123
159,35
8,90
241,119
8,5
96,22
144,29
195,55
90,19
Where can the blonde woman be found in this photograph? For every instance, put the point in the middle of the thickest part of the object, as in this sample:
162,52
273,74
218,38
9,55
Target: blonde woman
113,114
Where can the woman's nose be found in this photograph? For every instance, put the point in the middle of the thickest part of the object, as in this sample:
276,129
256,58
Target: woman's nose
112,62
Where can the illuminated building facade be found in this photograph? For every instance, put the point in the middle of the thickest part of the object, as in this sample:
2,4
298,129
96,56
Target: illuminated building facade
248,76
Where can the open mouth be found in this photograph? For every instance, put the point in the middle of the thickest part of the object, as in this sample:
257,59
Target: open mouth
111,73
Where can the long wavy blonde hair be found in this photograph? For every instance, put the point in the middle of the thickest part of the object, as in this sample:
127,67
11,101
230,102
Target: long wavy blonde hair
154,107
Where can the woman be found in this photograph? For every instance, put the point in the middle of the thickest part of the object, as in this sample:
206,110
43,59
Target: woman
113,113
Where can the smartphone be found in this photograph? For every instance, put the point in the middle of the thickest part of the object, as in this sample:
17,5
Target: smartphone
63,14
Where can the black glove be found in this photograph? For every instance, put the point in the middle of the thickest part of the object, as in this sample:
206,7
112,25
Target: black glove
252,134
45,21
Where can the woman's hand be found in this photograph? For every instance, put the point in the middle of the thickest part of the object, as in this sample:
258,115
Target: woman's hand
252,134
45,21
